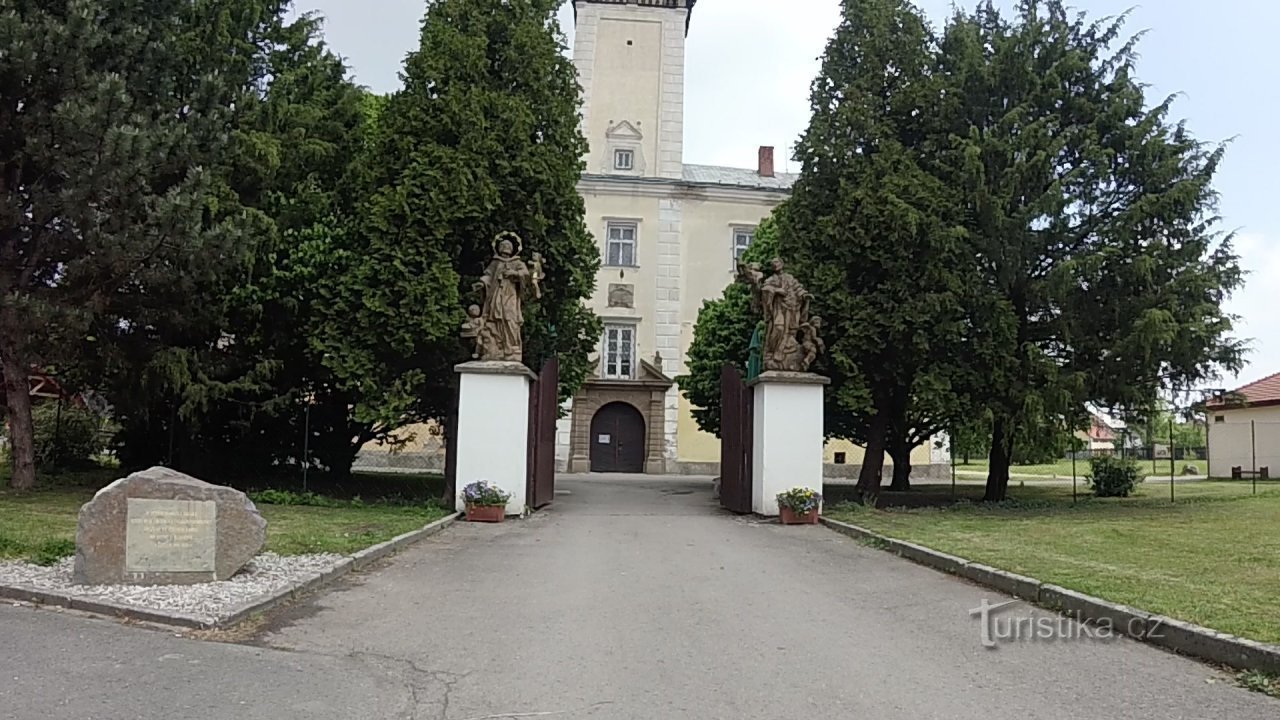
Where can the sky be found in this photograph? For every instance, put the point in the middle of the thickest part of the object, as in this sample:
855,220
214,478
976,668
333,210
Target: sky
749,63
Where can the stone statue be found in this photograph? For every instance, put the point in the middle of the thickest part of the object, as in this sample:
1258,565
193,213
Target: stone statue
473,328
811,345
791,341
496,329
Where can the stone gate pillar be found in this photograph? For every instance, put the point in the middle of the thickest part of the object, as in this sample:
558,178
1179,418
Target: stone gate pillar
493,429
787,436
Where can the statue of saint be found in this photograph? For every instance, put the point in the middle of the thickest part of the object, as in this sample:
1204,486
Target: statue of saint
786,305
505,281
791,341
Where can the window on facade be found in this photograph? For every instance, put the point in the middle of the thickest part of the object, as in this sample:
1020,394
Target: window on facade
742,238
840,458
624,159
619,351
621,249
1219,418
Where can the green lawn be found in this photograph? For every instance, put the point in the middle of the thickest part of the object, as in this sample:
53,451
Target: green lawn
1212,558
40,526
1062,468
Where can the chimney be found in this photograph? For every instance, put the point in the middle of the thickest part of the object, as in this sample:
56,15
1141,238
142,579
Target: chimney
766,161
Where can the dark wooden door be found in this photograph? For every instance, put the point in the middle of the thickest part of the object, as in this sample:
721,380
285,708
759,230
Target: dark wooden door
544,408
735,441
617,439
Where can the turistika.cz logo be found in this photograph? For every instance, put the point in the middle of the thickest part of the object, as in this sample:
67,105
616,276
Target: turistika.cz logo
996,629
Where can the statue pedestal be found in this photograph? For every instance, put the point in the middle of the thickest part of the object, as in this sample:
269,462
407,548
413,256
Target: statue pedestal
787,437
493,429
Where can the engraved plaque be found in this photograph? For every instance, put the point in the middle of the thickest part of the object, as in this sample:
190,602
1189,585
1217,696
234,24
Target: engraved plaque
621,296
170,536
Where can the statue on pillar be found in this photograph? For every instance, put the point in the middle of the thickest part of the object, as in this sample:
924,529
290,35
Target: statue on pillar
495,326
791,341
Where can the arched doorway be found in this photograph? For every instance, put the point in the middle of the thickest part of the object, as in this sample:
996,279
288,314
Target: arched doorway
617,439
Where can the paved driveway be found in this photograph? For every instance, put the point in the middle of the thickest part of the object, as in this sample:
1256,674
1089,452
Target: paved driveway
629,598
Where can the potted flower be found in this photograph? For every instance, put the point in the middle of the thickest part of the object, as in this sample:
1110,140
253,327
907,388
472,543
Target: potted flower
799,506
485,502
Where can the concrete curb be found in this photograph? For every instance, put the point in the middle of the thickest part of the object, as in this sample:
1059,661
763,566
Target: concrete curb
293,591
1181,637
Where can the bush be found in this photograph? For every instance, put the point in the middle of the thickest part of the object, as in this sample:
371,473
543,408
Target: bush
1112,476
69,438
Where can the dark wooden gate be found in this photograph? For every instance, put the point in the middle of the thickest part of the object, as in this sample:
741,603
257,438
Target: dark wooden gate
617,439
735,441
544,410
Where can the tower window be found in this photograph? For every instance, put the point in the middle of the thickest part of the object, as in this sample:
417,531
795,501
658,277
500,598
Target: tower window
621,247
619,351
624,159
840,458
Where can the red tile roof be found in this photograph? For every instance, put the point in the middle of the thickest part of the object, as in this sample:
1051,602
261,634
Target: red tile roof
1263,392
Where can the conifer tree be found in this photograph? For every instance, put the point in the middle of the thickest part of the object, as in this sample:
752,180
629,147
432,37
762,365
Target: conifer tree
1092,219
484,138
873,232
112,115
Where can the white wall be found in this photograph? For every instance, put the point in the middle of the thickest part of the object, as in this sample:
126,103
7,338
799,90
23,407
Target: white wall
493,435
786,443
1241,434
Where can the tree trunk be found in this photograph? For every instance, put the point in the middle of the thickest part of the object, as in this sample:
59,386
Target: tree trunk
1001,453
873,461
901,455
22,444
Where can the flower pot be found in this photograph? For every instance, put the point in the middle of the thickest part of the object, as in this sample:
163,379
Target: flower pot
486,513
791,517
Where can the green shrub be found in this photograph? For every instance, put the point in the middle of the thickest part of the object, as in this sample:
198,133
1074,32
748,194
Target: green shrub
50,552
1112,476
289,497
66,438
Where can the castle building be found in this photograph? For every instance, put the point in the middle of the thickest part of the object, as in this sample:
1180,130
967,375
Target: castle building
670,234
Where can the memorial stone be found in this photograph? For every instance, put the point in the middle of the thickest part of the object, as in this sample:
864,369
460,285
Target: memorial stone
161,527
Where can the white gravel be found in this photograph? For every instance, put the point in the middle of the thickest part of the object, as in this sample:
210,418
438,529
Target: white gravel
209,602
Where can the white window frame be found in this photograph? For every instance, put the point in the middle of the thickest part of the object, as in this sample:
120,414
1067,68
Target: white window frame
735,250
619,154
622,242
615,362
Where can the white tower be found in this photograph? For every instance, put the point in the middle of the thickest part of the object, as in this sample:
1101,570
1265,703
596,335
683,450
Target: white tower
630,60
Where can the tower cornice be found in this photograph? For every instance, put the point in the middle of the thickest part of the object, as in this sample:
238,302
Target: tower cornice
672,4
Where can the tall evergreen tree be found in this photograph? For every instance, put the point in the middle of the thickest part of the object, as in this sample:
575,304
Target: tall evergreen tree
483,138
874,233
237,406
1091,216
112,114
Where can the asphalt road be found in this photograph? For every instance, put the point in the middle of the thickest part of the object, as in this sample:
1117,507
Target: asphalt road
629,598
